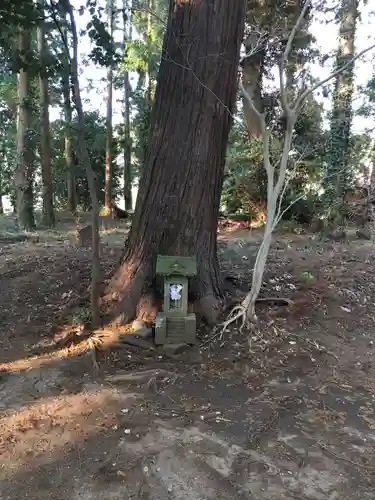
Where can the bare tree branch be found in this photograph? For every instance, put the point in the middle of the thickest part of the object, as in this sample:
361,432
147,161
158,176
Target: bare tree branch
308,91
285,58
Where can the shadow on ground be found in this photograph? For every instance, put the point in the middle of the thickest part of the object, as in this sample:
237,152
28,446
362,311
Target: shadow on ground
286,412
159,434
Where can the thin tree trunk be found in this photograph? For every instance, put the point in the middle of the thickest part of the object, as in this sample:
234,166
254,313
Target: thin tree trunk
143,132
127,21
45,143
69,154
1,205
25,144
70,164
145,82
85,160
108,156
179,194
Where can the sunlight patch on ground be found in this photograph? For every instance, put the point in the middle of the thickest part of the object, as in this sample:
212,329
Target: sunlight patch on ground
98,339
36,362
44,427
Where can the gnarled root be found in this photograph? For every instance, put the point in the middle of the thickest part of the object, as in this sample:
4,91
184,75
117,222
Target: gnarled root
245,311
238,312
242,311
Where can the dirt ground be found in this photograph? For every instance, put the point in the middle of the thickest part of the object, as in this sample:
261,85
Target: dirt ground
284,412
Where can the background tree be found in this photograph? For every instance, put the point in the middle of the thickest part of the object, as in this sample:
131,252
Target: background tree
70,171
45,142
108,157
127,141
85,160
95,135
143,57
8,131
24,173
339,172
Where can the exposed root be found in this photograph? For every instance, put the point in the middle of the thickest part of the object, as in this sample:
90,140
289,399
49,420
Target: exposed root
238,312
244,312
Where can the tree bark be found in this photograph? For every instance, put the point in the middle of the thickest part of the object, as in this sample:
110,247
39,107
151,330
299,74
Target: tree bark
108,156
179,193
48,218
25,144
127,139
69,153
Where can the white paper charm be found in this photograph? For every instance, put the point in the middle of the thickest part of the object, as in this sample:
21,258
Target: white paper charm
175,292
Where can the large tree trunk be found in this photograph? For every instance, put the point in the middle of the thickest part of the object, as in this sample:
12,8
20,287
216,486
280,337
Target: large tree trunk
69,153
108,156
179,194
45,143
339,175
25,144
127,139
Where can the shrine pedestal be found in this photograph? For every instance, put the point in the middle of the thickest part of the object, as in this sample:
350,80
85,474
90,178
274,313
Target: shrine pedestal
175,329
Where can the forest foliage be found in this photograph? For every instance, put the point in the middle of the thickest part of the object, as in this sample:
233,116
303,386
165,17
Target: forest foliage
133,52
